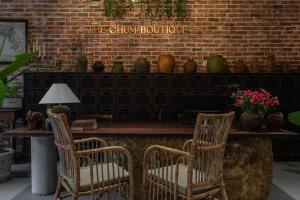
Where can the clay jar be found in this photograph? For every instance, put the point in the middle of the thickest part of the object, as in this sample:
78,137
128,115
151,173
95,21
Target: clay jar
166,64
190,66
240,67
141,65
216,64
118,65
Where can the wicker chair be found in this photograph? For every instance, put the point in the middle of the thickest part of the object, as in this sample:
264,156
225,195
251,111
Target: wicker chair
195,172
90,166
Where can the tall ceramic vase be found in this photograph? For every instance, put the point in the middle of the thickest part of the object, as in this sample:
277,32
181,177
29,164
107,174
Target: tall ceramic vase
250,121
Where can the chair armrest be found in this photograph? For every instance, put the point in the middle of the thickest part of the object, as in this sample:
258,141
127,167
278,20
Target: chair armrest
166,149
187,145
113,163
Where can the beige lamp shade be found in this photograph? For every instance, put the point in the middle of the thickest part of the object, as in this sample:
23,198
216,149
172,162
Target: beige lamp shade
59,93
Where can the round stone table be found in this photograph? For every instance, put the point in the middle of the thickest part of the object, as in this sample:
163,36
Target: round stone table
248,163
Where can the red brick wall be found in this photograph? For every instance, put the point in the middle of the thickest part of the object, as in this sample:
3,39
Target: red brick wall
236,29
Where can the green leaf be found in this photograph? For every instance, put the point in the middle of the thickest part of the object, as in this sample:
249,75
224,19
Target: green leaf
3,91
19,62
294,118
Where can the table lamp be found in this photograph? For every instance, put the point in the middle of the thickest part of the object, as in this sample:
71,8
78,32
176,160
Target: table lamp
60,93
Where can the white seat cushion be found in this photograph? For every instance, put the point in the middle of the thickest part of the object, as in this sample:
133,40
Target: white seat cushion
164,173
111,173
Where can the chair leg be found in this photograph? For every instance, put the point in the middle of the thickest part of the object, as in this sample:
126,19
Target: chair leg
75,197
223,191
58,190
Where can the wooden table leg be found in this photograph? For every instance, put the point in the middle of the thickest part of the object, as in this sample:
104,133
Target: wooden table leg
43,165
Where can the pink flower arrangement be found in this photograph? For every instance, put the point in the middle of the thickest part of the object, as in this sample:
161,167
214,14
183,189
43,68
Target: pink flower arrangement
256,101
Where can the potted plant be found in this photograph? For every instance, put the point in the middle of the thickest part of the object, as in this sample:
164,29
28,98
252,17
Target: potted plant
5,78
255,104
6,155
294,118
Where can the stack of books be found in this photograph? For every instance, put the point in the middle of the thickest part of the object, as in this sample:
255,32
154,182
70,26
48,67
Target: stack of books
84,124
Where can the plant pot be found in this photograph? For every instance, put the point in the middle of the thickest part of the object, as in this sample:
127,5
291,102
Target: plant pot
166,64
82,64
250,121
141,65
190,67
6,155
274,121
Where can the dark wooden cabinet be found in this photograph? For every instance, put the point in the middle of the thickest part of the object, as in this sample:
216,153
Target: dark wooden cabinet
135,97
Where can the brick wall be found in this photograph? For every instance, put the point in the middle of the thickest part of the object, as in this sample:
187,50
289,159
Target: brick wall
236,29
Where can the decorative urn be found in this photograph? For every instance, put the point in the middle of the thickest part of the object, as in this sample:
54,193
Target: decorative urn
166,64
98,67
118,65
216,64
190,66
141,65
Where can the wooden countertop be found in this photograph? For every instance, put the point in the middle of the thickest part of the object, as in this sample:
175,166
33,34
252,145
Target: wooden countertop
140,130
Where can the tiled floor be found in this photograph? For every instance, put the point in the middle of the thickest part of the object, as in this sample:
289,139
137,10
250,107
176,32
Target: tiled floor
286,184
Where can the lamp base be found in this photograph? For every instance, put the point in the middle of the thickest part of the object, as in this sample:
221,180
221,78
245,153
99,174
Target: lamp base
63,109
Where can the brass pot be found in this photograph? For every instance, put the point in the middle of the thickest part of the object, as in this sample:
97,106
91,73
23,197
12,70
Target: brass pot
216,64
166,64
141,65
190,66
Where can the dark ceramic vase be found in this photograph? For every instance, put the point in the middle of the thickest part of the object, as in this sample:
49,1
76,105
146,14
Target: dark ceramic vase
274,121
141,65
82,63
166,64
250,121
98,67
190,66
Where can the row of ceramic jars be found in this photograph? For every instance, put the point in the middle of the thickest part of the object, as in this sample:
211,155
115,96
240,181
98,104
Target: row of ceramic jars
166,64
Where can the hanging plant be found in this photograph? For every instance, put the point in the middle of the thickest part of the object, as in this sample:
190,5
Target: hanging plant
159,8
116,8
181,9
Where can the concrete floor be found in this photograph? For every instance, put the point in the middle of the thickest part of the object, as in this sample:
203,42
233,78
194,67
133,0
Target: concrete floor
286,184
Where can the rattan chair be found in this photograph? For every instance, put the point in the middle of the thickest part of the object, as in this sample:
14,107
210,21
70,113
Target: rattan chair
196,172
90,166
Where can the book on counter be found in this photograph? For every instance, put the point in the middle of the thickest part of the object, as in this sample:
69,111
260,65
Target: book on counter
84,124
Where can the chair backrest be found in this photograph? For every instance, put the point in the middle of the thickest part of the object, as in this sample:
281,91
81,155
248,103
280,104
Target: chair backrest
208,146
65,143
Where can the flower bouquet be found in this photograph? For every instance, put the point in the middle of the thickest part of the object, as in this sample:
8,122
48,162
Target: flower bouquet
255,104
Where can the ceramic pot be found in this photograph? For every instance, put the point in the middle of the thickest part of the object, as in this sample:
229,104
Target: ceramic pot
82,63
271,64
250,121
118,65
254,66
141,65
190,66
98,67
166,64
240,67
216,64
274,121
